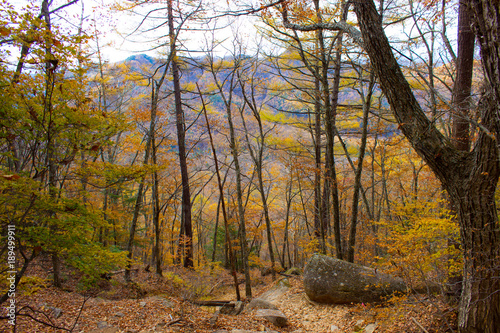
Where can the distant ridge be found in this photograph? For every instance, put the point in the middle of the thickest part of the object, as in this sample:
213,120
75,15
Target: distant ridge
141,58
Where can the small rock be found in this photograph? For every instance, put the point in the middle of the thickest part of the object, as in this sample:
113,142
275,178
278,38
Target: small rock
294,271
168,303
259,303
119,314
370,328
55,311
233,309
213,319
102,324
276,317
109,330
359,325
334,329
143,304
284,283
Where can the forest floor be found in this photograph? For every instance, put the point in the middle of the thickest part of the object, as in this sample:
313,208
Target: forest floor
153,304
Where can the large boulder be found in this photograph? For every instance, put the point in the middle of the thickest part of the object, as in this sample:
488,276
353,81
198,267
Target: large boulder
329,280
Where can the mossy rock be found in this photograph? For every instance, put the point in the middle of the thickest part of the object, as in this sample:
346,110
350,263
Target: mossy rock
330,280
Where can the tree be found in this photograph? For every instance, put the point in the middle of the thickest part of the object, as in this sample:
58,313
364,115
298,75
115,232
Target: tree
48,120
470,178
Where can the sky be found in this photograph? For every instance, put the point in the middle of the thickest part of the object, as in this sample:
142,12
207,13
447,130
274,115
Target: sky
114,28
116,40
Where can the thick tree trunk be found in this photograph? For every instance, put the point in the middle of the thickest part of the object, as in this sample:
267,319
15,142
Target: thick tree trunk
470,178
479,309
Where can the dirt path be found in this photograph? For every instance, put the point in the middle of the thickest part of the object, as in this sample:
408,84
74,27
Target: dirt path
161,306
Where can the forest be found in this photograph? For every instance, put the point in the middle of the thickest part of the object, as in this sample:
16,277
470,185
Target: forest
238,140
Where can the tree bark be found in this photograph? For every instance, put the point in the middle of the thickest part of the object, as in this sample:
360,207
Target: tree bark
463,80
469,178
222,202
187,236
359,170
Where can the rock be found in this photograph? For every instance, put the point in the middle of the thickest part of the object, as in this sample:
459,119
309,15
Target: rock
259,303
110,330
233,309
168,303
334,329
276,317
244,331
329,280
276,292
106,330
264,271
293,271
102,324
119,315
143,304
370,328
359,325
57,312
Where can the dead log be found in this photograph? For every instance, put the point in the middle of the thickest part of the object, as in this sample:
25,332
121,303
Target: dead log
213,303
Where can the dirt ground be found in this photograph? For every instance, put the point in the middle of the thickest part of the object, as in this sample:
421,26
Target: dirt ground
153,304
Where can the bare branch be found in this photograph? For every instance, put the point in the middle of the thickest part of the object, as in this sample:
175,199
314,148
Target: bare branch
335,26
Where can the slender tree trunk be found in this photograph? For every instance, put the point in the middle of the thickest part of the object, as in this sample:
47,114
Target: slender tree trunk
221,199
50,152
318,207
156,213
357,179
239,198
463,81
214,240
181,142
258,157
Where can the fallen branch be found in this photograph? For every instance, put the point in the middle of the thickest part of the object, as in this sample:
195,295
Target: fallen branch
213,303
174,322
418,324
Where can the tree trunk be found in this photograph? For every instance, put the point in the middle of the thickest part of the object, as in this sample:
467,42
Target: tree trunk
181,142
469,178
222,202
463,80
318,203
359,170
479,309
156,213
258,159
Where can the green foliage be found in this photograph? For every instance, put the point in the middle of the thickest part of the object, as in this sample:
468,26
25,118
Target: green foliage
93,260
48,124
32,284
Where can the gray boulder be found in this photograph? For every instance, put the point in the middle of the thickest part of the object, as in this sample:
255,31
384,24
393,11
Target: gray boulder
330,280
259,303
276,317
